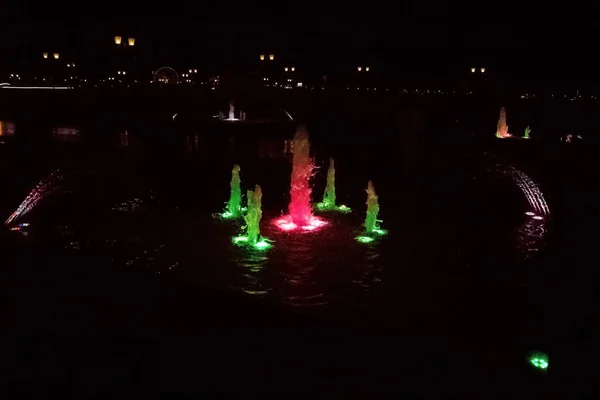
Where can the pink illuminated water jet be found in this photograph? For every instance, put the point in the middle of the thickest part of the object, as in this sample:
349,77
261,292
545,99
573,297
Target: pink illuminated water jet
300,215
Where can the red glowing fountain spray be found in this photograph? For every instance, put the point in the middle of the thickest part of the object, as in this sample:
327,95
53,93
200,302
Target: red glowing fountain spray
300,216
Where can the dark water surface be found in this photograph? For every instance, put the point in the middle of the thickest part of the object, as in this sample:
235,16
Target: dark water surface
462,262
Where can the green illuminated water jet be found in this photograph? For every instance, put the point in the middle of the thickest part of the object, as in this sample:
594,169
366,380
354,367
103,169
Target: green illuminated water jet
372,209
328,203
371,223
234,205
252,218
527,133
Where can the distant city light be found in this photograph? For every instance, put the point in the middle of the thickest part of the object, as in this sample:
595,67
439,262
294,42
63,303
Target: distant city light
36,87
117,40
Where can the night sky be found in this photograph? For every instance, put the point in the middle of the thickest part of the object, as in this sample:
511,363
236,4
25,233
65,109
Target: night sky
435,36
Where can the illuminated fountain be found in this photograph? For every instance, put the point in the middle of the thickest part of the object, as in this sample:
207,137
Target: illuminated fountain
502,131
527,133
231,117
531,232
234,205
371,223
252,237
328,203
40,191
300,215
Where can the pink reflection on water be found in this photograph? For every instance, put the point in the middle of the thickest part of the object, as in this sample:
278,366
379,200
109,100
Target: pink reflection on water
286,223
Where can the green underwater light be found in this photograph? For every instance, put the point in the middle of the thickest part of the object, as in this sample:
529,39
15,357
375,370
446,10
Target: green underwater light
262,244
539,360
364,239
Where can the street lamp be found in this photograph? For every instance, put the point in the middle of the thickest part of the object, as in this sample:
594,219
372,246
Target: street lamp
117,40
482,70
367,69
286,69
45,55
56,56
271,57
473,70
131,41
359,69
293,69
262,57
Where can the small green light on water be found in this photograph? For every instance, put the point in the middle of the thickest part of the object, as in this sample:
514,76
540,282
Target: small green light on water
326,206
365,239
240,239
380,231
262,244
539,360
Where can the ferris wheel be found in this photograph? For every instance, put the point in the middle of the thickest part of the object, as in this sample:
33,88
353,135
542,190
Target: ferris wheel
166,75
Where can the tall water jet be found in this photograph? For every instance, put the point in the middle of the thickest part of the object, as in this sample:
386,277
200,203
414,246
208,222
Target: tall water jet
234,207
527,133
300,190
328,203
371,223
372,209
502,131
231,111
252,218
329,195
300,212
254,215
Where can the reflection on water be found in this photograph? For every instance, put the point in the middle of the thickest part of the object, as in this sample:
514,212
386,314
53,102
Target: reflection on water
66,134
7,128
269,148
530,234
251,265
124,139
324,268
